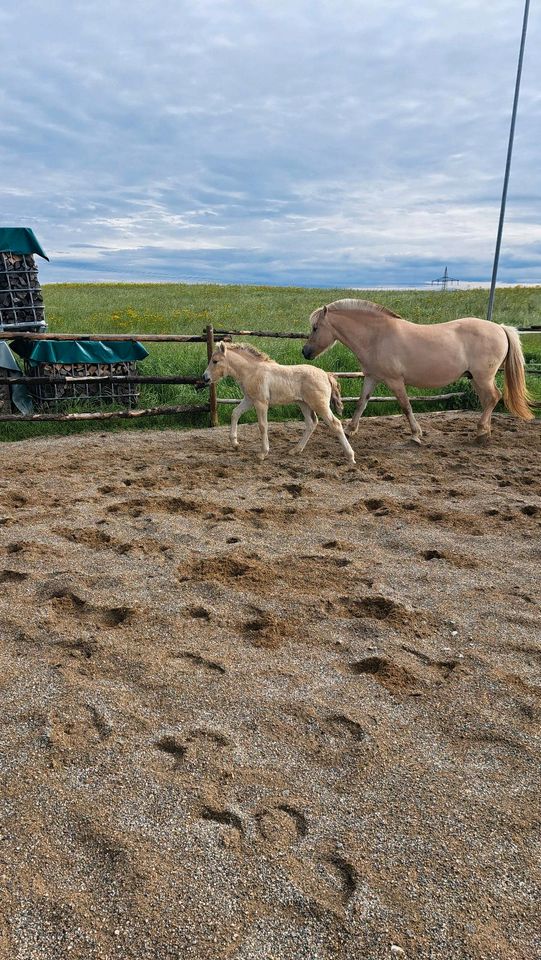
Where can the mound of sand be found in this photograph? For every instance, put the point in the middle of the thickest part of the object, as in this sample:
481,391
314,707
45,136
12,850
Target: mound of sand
278,711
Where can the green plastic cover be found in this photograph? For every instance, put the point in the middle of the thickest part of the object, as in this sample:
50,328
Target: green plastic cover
20,240
79,351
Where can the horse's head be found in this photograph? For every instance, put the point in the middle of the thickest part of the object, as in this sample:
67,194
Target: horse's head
321,336
217,366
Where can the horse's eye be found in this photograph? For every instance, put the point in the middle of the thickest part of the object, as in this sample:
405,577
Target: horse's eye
215,361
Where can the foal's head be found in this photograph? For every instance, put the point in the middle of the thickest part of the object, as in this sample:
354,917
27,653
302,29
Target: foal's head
321,336
224,360
217,367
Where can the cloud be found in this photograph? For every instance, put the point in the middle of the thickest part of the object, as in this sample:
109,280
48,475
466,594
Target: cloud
314,142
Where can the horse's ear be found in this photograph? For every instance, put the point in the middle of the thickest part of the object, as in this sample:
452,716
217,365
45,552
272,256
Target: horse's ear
221,346
324,311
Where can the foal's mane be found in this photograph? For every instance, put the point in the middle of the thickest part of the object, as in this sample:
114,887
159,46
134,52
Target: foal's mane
361,306
247,348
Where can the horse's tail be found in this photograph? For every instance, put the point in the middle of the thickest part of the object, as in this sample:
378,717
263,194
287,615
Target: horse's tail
516,397
336,398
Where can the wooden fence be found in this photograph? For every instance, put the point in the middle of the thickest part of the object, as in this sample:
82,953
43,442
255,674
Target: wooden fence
209,337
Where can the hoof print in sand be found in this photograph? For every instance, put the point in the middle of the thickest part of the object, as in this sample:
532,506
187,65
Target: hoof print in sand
66,603
377,608
198,613
341,877
265,630
225,818
195,659
208,748
77,730
13,576
392,676
340,725
282,826
174,747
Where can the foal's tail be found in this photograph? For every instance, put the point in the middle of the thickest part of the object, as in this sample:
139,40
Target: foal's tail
336,398
516,397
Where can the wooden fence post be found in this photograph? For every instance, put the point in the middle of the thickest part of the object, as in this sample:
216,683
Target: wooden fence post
213,400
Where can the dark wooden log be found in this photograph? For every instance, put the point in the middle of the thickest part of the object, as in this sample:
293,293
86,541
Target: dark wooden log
110,415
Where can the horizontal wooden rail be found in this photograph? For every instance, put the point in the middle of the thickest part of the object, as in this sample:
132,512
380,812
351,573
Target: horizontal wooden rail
304,336
261,333
423,399
109,415
106,377
108,337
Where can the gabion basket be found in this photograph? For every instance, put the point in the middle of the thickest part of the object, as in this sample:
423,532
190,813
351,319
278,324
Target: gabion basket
54,395
21,299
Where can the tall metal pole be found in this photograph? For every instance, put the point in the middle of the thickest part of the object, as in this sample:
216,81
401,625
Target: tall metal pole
508,163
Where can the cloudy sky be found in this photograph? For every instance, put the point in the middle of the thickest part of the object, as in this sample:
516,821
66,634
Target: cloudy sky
309,142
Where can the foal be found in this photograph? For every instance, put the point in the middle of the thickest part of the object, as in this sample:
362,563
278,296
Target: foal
266,383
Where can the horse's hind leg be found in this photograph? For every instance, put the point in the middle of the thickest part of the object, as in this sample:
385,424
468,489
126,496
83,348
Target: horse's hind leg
368,386
399,389
310,420
335,425
489,395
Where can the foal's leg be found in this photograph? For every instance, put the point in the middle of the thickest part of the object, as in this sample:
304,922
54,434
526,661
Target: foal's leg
310,420
335,425
489,395
368,386
261,410
399,389
244,405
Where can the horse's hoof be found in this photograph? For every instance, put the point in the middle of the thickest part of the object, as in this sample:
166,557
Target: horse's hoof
416,439
350,431
482,439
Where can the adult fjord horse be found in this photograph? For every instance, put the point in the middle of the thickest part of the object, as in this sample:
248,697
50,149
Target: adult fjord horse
397,352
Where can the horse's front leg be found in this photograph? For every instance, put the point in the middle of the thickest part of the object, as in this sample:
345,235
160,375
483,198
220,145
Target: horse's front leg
368,386
399,389
244,405
261,410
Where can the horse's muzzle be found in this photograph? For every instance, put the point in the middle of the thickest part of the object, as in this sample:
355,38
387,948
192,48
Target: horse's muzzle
202,383
307,351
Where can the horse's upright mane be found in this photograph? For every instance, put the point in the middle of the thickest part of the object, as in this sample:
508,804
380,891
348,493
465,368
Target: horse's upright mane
361,306
247,348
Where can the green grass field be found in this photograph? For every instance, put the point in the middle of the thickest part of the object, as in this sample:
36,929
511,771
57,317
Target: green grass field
187,308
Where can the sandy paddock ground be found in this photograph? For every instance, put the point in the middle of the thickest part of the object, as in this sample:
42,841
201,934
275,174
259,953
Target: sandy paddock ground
278,711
